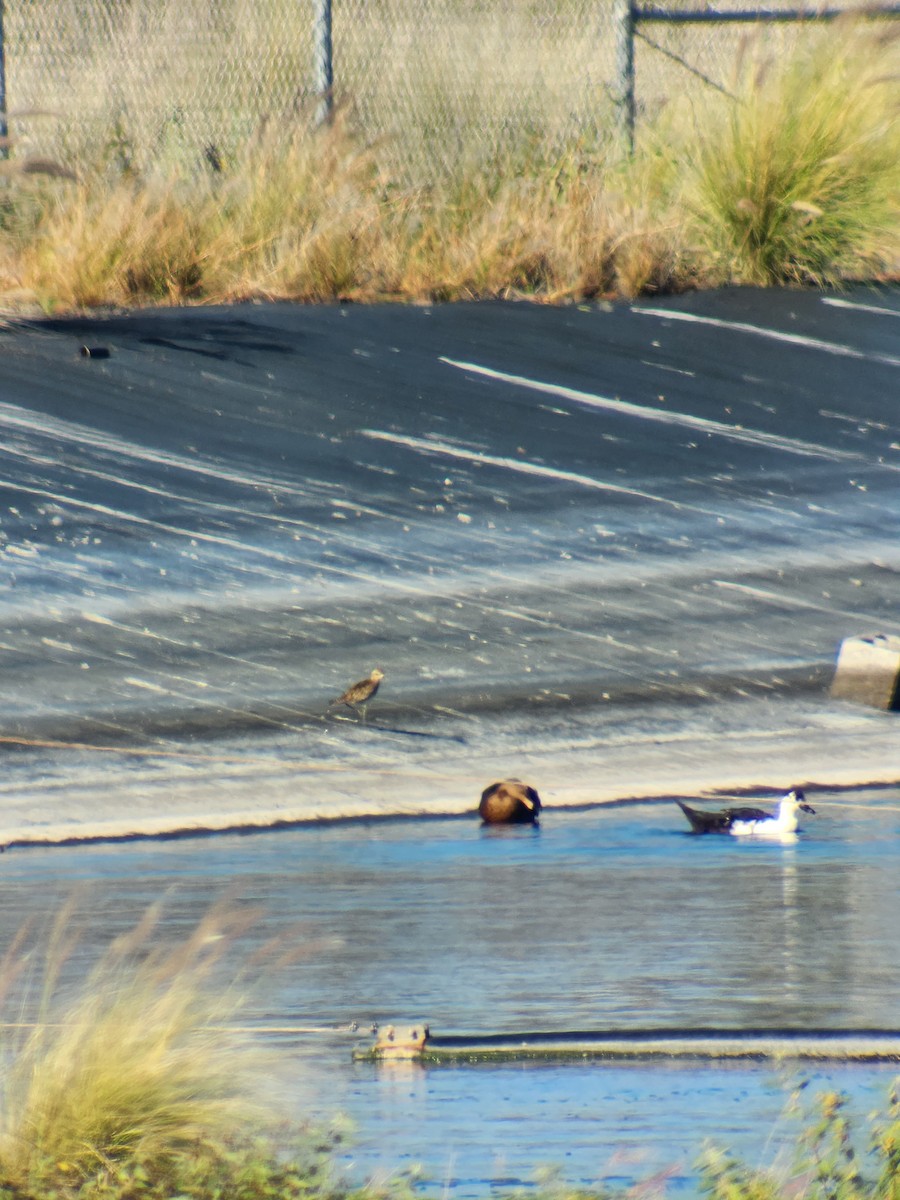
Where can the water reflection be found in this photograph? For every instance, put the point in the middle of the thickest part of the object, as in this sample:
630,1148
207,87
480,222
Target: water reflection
601,919
790,938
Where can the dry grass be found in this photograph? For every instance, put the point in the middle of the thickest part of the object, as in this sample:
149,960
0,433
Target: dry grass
131,1064
795,181
314,217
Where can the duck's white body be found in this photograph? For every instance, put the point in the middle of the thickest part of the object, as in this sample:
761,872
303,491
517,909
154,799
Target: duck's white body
747,822
781,826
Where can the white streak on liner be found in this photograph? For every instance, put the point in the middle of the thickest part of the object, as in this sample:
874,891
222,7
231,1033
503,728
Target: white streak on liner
851,304
151,634
145,683
103,510
649,362
426,446
308,528
734,432
778,335
404,588
68,431
795,602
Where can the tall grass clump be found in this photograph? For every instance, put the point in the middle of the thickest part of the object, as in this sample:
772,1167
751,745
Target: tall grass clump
799,179
127,1084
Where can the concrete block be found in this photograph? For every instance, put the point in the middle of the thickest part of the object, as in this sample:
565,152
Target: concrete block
868,671
406,1042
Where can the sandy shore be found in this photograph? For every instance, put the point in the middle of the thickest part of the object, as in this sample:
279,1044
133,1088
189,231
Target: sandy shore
291,799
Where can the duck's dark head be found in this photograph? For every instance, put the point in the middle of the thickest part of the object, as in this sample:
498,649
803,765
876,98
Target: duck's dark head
800,800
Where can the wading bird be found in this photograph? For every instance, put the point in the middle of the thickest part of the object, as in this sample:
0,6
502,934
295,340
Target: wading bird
509,802
779,825
358,695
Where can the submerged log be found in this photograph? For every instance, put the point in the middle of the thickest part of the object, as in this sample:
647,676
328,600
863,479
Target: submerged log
711,1045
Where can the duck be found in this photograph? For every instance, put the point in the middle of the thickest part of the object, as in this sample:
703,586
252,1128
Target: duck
509,802
780,825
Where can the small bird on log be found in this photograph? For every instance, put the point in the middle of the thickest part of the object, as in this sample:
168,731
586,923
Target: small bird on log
358,695
509,802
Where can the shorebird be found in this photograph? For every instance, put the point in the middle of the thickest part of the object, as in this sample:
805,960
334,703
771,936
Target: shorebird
359,694
780,825
509,802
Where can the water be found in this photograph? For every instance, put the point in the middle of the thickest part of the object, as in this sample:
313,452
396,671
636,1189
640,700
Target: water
603,919
609,919
612,550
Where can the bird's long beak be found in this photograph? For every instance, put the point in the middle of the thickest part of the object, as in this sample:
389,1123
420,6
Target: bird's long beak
807,808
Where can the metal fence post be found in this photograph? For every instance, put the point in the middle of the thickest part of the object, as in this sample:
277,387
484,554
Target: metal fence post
625,18
324,65
4,127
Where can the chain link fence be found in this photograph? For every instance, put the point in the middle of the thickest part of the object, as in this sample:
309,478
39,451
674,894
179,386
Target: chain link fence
429,80
431,83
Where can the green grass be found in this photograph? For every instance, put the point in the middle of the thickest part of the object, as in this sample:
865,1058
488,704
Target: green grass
833,1160
798,181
